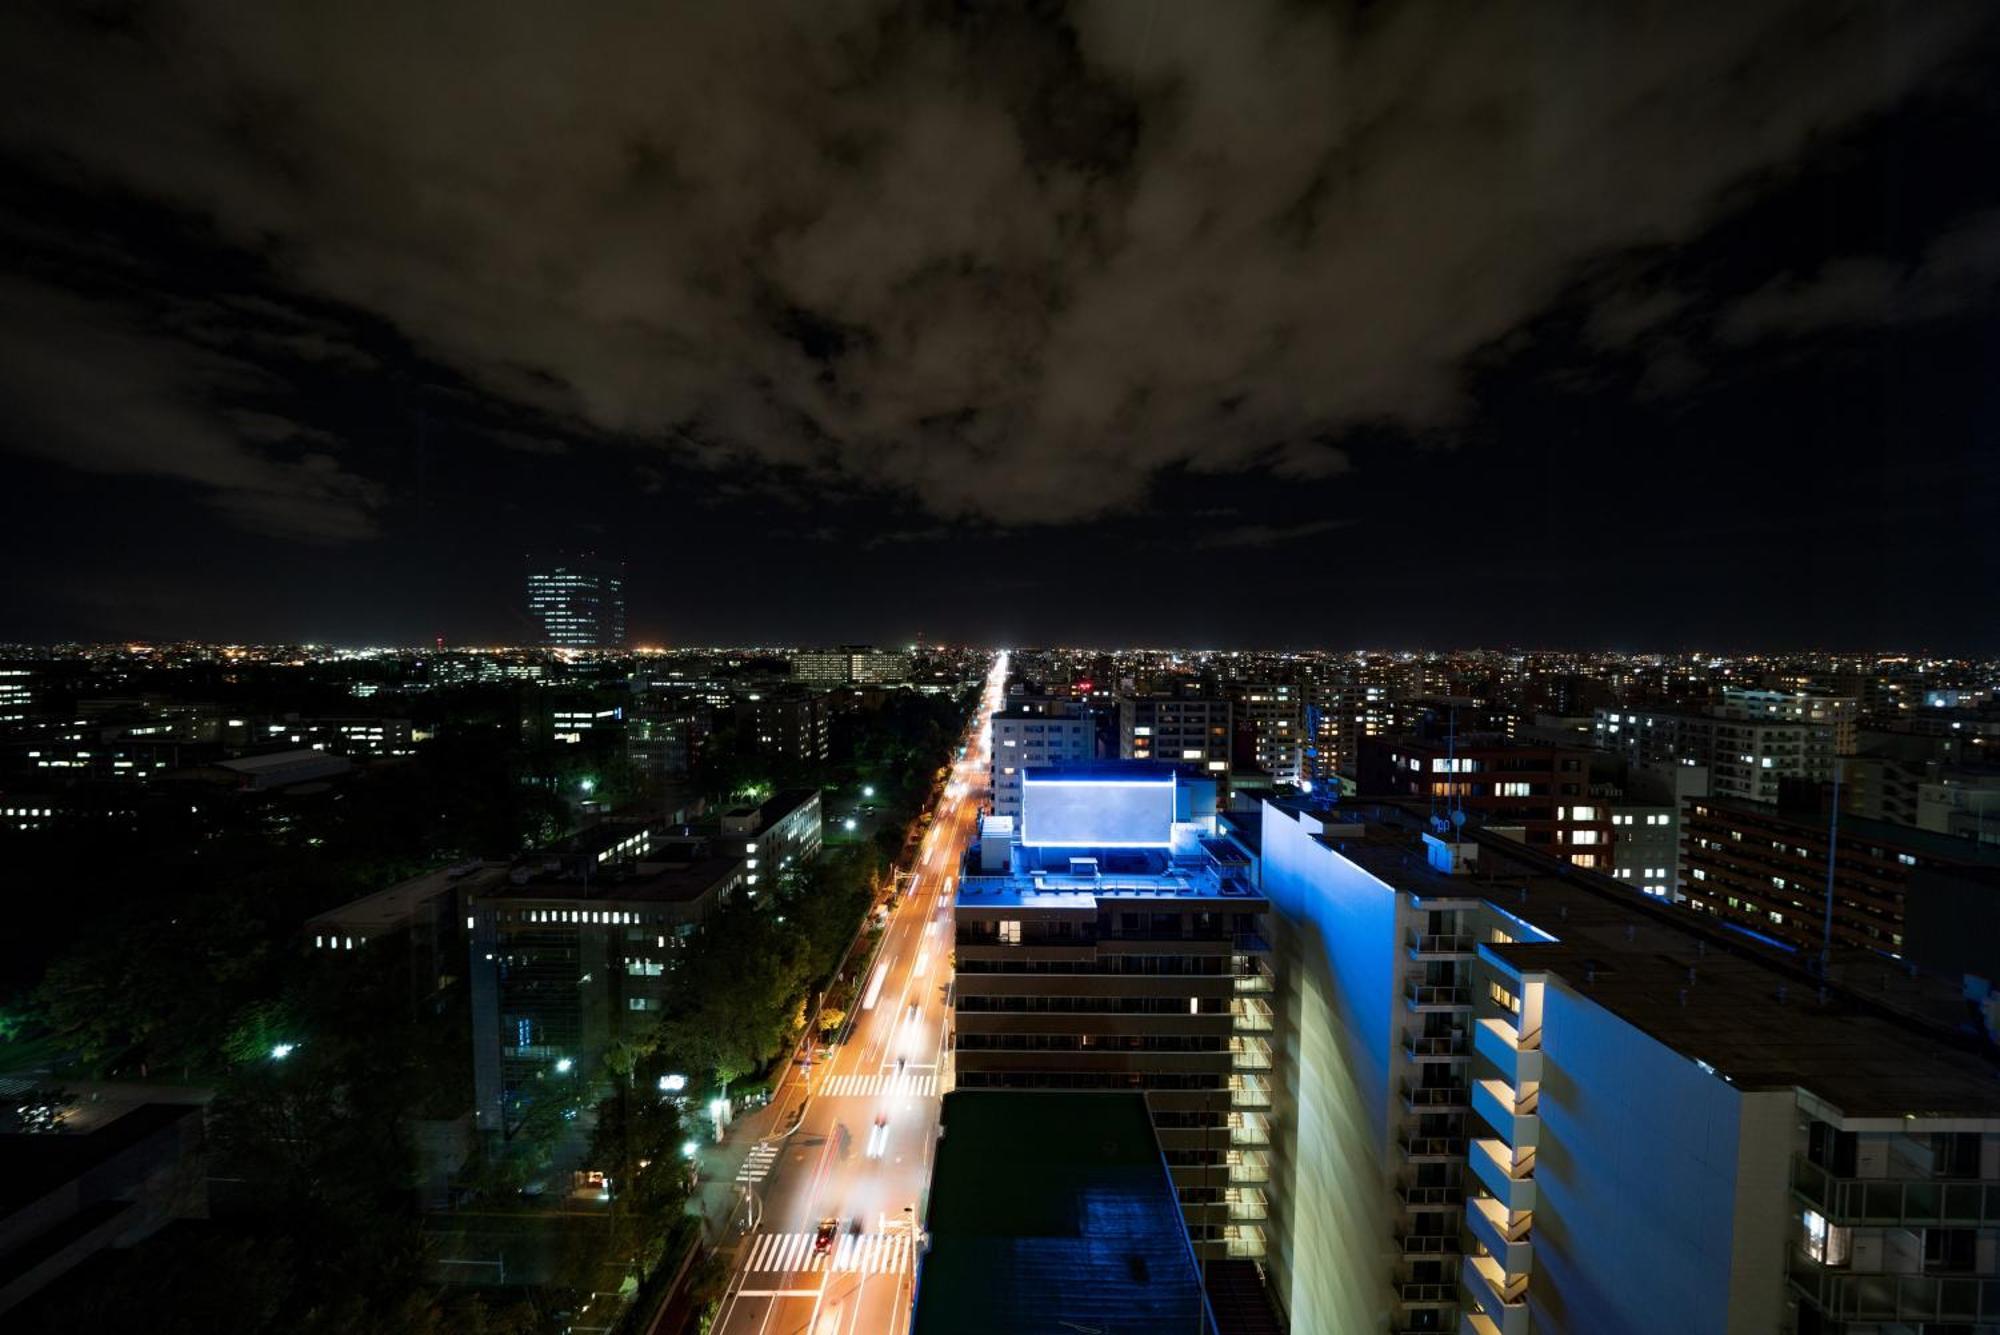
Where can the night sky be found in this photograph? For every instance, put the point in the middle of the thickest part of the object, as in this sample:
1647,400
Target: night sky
1633,325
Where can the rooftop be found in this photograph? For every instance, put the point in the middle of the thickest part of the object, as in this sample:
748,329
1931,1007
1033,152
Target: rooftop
391,909
1054,1212
1874,1047
1861,830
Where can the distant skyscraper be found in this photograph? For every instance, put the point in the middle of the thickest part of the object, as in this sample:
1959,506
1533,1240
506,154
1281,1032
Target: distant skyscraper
579,601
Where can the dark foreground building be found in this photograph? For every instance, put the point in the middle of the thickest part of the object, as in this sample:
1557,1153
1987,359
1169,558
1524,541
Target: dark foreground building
1055,1211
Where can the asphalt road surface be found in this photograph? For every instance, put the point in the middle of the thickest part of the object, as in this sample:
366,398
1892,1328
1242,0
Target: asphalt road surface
861,1152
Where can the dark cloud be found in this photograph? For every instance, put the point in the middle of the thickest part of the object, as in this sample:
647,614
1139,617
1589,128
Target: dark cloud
88,386
1268,535
1013,264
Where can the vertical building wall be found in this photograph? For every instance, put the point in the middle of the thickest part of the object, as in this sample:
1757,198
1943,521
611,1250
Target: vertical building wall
1337,1006
1638,1190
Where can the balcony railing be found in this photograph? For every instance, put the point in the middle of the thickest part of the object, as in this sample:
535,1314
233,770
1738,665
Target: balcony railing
1421,1046
1413,1294
1843,1295
1940,1201
1422,945
1251,1015
1249,1166
1250,1054
1246,1203
1248,1091
1432,1147
1436,1098
1426,996
1431,1198
1428,1244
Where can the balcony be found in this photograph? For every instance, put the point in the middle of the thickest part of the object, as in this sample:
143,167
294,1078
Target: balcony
1510,1179
1843,1295
1435,1047
1249,1091
1502,1296
1249,1054
1426,947
1248,1167
1249,1129
1502,1232
1958,1202
1513,1117
1431,1198
1418,1098
1427,1244
1246,1204
1426,997
1252,1015
1243,1241
1250,943
1252,981
1432,1149
1412,1294
1520,1060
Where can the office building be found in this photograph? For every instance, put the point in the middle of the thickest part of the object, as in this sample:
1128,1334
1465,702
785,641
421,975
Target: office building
578,602
569,954
1517,1098
1121,951
783,831
1841,714
663,736
1039,735
1542,792
1763,869
850,665
1178,729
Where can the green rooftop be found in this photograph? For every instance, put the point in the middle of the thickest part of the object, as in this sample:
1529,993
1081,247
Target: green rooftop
1054,1212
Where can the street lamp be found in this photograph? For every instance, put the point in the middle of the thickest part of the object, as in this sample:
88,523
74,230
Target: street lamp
588,784
868,790
673,1084
280,1051
848,825
563,1065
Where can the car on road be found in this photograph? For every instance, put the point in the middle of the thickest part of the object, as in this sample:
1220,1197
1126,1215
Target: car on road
829,1229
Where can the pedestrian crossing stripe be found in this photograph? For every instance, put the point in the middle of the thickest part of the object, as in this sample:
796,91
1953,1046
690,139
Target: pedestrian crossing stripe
908,1085
758,1166
864,1254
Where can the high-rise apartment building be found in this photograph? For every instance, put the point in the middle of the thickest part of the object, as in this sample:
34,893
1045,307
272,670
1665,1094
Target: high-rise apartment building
579,602
1763,869
1050,733
1543,792
1180,730
1515,1098
1748,756
1272,717
1121,951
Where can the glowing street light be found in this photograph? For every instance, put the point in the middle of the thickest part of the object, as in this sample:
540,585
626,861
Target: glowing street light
848,825
673,1084
588,784
689,1149
564,1065
280,1051
868,791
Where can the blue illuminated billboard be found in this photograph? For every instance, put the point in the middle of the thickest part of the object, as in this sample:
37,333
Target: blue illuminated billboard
1097,813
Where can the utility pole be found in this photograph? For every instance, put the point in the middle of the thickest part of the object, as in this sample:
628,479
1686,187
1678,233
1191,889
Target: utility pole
1832,853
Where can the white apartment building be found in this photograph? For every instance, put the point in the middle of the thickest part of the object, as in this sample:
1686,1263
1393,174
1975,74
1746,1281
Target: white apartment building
1034,739
1747,758
1520,1100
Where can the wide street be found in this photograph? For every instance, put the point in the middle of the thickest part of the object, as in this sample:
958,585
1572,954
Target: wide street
861,1151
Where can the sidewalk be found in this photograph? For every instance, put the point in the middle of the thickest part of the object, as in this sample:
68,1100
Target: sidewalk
718,1197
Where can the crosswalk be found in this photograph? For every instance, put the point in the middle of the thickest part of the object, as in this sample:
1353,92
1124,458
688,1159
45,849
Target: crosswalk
910,1084
758,1166
865,1253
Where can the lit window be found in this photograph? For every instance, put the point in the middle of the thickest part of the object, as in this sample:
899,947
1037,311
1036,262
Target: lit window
1010,931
